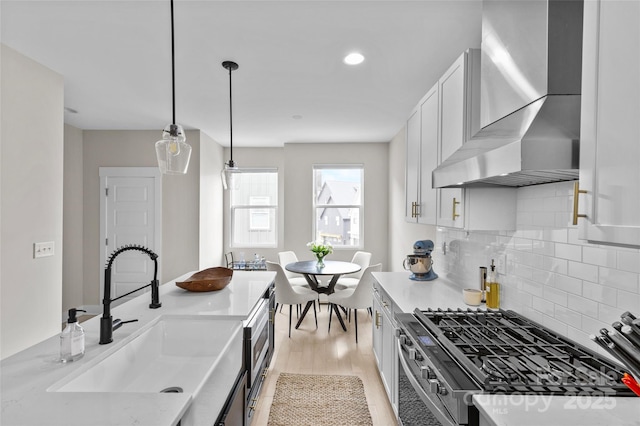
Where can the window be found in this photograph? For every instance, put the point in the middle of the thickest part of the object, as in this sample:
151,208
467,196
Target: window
337,205
253,199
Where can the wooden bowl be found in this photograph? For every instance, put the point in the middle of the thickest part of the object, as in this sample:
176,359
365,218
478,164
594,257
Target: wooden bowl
212,279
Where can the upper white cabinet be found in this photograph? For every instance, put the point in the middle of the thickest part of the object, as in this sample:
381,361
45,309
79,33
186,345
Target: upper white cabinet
459,89
610,129
444,119
422,140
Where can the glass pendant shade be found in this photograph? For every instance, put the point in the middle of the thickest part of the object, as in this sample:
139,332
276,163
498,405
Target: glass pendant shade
172,151
228,179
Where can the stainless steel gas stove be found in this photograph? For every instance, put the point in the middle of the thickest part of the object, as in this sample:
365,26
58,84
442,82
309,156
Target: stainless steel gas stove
447,356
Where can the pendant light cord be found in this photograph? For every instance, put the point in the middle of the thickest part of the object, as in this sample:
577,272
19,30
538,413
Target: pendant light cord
230,122
173,70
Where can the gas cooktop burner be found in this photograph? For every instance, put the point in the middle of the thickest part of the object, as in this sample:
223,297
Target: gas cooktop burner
504,351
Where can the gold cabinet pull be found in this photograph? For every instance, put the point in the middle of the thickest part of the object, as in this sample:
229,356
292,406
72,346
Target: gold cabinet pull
414,209
254,404
378,319
417,209
576,194
455,215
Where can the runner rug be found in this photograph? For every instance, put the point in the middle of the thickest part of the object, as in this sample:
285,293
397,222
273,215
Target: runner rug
306,400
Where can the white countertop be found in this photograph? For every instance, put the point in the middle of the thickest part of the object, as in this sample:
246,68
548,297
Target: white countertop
408,294
25,376
547,410
513,410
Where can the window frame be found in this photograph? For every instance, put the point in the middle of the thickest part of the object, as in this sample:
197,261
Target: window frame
261,207
360,207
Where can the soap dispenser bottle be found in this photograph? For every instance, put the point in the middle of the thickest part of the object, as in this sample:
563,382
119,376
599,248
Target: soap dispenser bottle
493,288
72,338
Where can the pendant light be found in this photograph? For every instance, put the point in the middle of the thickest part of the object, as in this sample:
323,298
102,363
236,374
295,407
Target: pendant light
230,166
172,150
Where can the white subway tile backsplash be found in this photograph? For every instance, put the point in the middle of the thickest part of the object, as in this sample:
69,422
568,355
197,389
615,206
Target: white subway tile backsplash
546,248
619,279
551,276
568,316
599,293
569,252
568,284
592,326
583,271
555,295
554,264
628,260
547,219
583,305
542,305
554,324
555,235
609,314
599,256
629,302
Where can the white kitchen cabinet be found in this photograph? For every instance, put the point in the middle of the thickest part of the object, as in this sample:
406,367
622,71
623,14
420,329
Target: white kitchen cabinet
384,343
610,133
459,107
422,142
444,119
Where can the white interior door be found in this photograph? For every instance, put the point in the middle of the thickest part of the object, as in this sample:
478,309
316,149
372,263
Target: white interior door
131,213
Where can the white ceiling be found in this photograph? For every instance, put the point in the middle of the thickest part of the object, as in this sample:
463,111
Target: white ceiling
116,61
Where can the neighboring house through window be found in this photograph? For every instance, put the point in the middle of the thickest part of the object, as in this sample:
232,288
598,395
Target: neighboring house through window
337,200
253,200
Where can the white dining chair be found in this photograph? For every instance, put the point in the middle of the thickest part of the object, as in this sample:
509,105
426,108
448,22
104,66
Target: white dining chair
359,297
362,258
286,294
286,257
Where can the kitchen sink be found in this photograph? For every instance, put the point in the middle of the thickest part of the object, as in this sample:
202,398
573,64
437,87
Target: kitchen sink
171,354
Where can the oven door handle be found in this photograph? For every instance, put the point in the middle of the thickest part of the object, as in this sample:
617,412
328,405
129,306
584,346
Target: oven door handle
436,407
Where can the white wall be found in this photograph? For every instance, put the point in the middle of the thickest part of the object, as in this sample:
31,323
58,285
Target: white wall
73,251
31,208
295,164
184,247
551,276
211,232
298,180
402,234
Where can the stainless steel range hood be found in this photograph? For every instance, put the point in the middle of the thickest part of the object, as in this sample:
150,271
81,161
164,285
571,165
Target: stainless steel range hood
531,66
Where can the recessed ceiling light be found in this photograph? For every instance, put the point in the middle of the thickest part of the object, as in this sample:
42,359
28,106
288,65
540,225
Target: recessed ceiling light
353,58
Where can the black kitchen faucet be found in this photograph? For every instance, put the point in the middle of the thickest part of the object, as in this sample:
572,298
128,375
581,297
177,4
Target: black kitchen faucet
107,323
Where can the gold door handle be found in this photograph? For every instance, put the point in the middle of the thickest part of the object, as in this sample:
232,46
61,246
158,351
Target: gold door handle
417,209
576,194
455,215
414,209
378,319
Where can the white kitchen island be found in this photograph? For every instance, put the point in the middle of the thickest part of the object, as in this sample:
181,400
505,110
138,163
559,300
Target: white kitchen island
29,378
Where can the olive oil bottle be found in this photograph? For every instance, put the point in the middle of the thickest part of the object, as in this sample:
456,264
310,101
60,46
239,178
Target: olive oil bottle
493,288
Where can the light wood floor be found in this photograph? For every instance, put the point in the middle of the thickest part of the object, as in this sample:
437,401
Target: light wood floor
311,351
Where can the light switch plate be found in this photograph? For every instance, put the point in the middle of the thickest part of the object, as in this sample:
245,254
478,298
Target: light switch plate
43,249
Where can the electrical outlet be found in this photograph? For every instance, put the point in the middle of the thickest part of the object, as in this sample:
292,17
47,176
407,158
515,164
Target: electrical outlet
501,263
43,249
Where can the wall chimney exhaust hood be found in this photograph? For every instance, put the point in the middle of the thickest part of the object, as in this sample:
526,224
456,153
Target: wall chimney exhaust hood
531,68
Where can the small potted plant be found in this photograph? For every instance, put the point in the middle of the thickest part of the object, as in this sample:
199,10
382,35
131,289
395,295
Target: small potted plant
320,250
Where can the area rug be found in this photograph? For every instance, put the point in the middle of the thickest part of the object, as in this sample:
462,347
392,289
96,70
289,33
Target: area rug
306,400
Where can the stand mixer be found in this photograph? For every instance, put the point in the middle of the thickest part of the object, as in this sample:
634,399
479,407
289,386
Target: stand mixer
420,262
